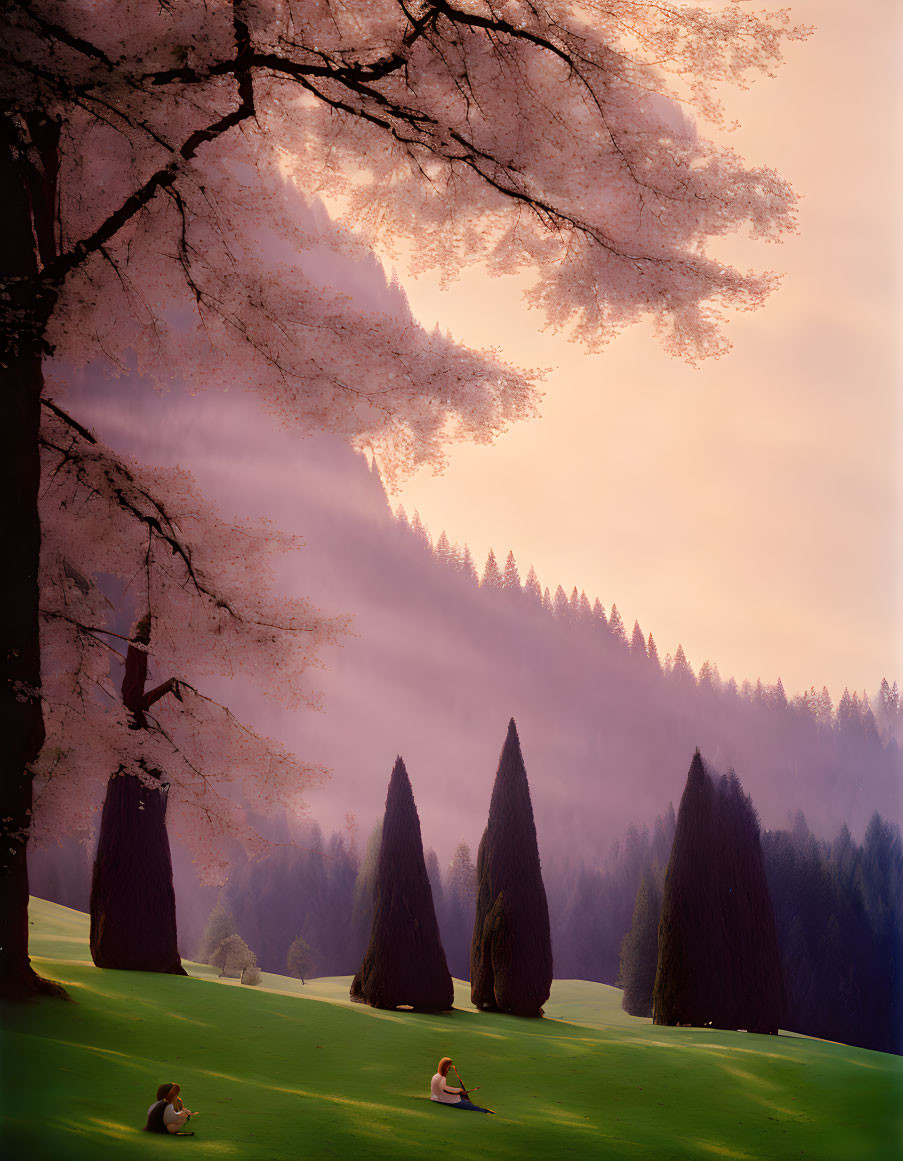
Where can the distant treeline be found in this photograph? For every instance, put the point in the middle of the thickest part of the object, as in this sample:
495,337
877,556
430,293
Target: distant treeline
838,909
839,913
856,716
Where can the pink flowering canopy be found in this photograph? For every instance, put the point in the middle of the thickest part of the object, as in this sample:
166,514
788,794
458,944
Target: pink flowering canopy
169,149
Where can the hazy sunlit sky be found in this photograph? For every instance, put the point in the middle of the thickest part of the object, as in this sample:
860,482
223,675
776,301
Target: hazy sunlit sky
751,509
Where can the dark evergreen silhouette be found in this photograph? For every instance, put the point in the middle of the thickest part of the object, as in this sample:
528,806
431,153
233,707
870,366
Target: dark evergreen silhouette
754,997
639,951
718,960
839,913
687,980
404,964
133,904
511,954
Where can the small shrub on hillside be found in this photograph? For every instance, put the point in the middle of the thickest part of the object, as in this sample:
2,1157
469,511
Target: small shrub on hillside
251,975
232,957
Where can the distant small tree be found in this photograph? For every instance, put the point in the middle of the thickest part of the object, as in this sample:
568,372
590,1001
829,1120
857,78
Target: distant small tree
405,963
492,574
681,667
232,957
444,550
511,954
616,625
638,641
467,565
420,531
531,587
639,952
251,975
299,962
220,925
511,577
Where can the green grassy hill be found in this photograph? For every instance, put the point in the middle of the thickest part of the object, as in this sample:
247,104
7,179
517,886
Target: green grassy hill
285,1071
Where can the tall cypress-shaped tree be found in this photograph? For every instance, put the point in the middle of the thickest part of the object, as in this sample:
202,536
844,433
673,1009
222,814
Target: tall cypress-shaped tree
718,957
755,999
688,980
404,963
511,954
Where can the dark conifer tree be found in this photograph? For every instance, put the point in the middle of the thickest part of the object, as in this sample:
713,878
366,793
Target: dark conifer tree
404,963
639,951
718,953
688,981
511,954
750,957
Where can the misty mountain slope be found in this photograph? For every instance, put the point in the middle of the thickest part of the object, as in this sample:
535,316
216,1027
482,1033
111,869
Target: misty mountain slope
435,665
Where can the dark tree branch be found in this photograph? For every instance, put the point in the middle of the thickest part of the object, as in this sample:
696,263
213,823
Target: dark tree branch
165,177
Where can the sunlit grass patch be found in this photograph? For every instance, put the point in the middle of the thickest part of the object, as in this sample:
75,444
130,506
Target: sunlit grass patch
285,1070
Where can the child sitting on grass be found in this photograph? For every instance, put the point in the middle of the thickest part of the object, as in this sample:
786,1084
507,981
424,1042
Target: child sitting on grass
168,1114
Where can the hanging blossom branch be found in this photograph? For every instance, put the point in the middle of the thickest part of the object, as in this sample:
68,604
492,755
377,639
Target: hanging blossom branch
496,98
211,606
98,472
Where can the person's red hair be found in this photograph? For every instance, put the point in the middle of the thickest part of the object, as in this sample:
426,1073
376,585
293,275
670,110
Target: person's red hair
444,1065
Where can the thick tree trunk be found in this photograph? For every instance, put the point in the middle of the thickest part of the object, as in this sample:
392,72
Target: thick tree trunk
21,720
133,904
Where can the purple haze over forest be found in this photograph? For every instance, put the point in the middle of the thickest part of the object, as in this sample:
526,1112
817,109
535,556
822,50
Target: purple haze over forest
436,665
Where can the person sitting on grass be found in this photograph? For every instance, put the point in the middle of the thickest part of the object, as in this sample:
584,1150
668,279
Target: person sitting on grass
456,1097
168,1114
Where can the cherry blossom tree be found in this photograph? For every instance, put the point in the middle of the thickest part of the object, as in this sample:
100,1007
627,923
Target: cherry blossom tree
149,163
206,608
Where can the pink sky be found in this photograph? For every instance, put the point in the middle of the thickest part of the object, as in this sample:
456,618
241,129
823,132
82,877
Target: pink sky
751,509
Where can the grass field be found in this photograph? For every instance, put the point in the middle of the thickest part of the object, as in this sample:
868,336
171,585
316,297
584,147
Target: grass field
285,1071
